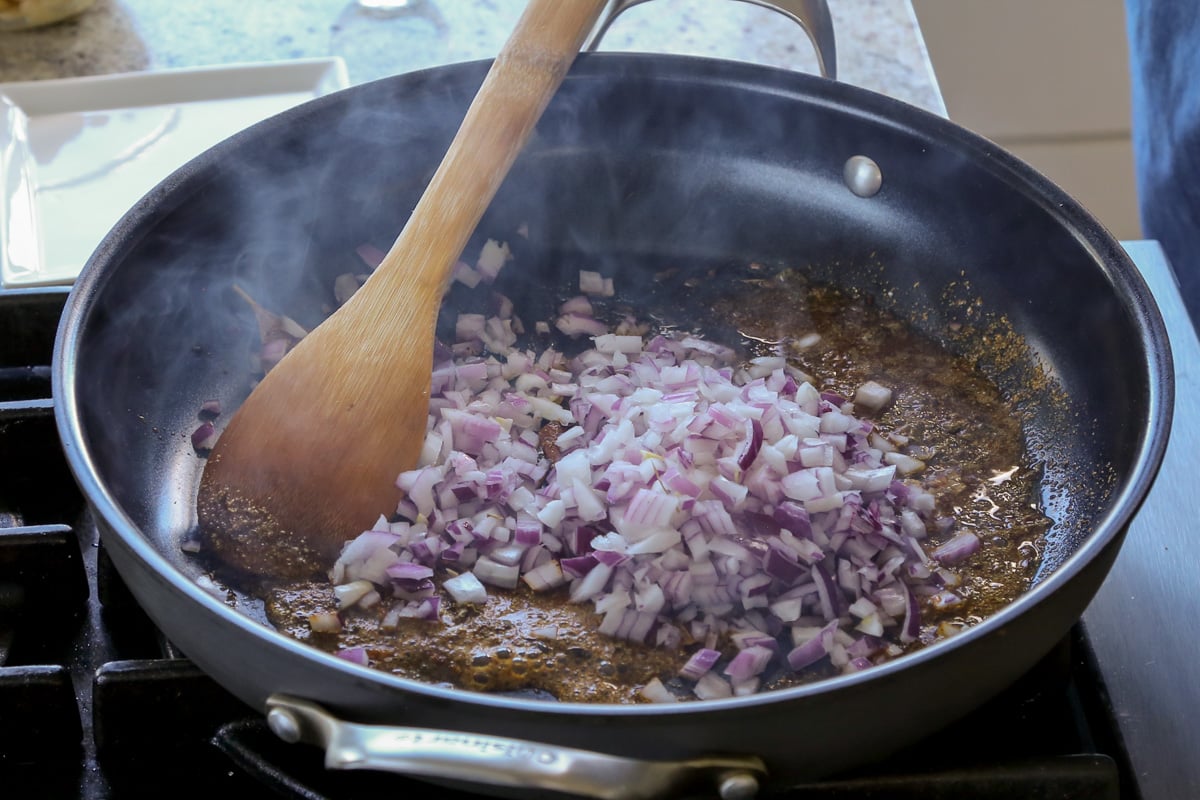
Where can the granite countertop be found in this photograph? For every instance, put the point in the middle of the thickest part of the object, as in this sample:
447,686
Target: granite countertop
879,44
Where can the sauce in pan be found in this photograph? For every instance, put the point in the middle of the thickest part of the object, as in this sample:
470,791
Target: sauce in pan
944,412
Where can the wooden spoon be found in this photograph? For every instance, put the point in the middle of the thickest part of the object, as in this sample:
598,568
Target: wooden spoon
311,458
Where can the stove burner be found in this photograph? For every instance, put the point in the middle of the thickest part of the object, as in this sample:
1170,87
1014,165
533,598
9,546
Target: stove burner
95,703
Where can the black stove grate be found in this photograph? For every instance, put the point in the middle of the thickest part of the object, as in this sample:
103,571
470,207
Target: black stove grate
94,703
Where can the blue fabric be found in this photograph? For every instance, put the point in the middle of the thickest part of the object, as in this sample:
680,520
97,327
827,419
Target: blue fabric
1164,48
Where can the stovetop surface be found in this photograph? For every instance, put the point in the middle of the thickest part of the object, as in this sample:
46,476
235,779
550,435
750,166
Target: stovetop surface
1144,623
94,703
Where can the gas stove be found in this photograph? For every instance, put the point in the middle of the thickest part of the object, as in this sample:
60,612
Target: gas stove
96,703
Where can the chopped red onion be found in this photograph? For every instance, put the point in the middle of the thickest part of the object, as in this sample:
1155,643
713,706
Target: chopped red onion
492,259
781,564
793,518
545,577
872,396
204,437
751,444
958,549
272,352
425,608
466,588
344,287
812,650
325,622
699,663
579,566
944,600
749,663
409,571
573,324
656,692
911,629
690,497
349,594
594,283
371,255
355,655
712,687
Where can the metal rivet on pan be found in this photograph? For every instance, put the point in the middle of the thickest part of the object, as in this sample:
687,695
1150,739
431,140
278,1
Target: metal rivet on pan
283,725
738,786
862,175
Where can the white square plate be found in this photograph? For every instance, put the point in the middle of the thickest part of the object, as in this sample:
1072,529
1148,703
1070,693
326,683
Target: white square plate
75,154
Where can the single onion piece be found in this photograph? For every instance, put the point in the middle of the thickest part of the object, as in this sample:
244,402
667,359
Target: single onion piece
751,444
325,622
495,573
944,600
781,563
594,283
712,687
426,609
355,655
905,465
409,571
577,305
492,259
204,437
467,589
911,629
857,665
648,512
793,518
958,549
612,558
344,287
813,650
510,555
828,592
579,566
656,692
871,480
710,348
700,662
573,324
210,409
545,577
872,396
464,274
371,255
468,327
408,590
272,353
749,663
528,531
548,632
591,584
349,594
865,647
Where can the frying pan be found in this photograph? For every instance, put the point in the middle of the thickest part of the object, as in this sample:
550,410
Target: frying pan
640,161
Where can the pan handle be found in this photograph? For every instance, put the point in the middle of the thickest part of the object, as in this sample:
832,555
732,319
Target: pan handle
811,15
470,758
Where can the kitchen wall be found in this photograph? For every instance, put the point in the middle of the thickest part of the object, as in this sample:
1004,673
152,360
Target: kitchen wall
1047,80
